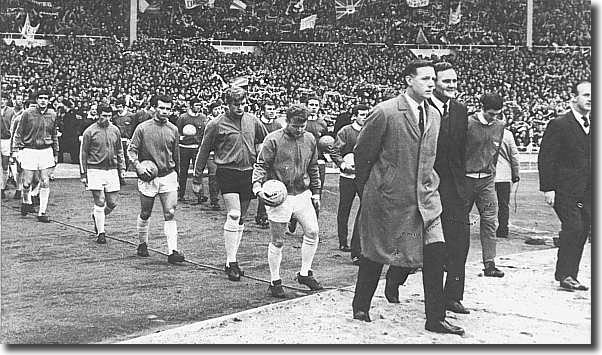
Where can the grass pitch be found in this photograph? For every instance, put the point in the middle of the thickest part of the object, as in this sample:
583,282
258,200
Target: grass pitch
59,286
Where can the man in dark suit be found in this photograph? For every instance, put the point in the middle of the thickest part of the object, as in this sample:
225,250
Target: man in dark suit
450,166
565,178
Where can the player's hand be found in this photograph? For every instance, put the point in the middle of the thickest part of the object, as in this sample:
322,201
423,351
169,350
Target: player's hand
84,180
196,188
315,200
142,172
515,179
56,159
267,201
550,197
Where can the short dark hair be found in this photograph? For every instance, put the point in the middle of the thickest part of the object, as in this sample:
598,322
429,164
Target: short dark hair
412,67
163,98
104,108
43,92
153,100
442,66
4,96
215,104
120,101
575,88
235,93
299,112
312,97
268,102
359,107
194,100
491,101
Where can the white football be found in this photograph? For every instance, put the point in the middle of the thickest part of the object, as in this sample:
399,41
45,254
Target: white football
275,191
189,130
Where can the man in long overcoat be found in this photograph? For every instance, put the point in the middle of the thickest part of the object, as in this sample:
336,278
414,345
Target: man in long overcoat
394,158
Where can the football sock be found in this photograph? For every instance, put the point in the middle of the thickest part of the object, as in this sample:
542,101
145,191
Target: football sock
142,228
171,232
99,217
44,195
308,250
274,260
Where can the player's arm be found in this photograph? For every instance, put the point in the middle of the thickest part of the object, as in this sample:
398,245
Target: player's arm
368,146
204,150
339,144
176,150
313,170
120,155
83,156
265,161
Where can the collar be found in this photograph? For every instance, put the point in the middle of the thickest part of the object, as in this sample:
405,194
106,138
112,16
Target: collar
192,114
158,120
312,117
266,121
578,116
103,125
40,111
482,119
439,104
356,126
413,104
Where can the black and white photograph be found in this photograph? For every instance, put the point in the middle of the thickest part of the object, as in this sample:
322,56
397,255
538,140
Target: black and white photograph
297,172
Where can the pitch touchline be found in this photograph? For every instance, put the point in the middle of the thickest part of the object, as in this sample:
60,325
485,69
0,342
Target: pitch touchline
162,253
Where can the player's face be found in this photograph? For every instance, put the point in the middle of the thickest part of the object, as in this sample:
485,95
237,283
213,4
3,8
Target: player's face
492,114
19,100
119,107
295,127
42,101
104,117
217,111
163,110
237,107
3,102
447,83
583,100
361,117
270,112
423,83
313,106
196,107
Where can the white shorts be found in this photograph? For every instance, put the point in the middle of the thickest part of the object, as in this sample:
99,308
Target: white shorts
5,147
107,180
159,185
37,159
291,205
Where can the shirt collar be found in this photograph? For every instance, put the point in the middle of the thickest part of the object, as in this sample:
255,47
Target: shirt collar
578,116
438,103
356,126
482,119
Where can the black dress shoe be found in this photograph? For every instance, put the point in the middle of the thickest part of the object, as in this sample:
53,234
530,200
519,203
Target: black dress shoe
456,307
443,326
392,291
361,315
570,283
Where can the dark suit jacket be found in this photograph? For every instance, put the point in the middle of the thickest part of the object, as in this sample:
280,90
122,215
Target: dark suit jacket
449,163
565,158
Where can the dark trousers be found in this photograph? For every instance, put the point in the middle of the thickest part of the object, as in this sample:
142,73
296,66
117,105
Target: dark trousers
347,192
456,232
187,155
356,244
575,223
432,281
502,190
261,212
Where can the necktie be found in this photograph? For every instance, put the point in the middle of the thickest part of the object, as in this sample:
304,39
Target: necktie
445,109
585,121
421,119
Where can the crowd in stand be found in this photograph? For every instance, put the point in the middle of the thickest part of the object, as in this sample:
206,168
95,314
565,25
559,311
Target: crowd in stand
556,22
534,82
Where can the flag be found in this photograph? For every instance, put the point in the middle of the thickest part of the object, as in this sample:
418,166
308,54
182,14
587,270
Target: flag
418,3
346,7
191,4
421,37
308,22
28,31
238,5
455,15
240,81
143,5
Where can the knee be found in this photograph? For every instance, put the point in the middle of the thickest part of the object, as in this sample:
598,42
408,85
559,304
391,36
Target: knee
232,220
100,202
145,215
278,243
45,183
311,236
111,205
169,214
